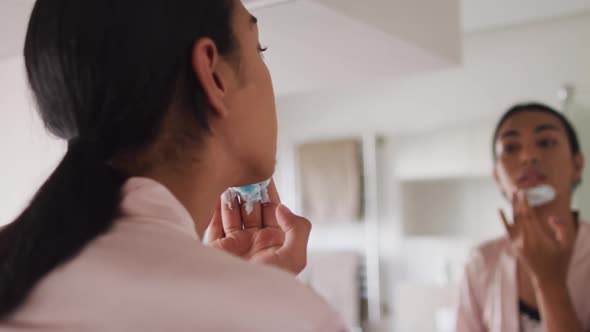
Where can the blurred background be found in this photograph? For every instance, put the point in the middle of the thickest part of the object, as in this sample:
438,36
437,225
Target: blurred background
386,112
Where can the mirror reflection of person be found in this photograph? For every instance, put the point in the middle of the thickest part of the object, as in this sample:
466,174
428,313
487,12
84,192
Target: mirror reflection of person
537,277
164,104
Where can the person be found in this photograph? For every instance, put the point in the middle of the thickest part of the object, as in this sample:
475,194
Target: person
164,104
534,278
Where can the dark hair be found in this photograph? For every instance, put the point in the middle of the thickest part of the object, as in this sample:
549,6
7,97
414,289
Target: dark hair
572,136
104,74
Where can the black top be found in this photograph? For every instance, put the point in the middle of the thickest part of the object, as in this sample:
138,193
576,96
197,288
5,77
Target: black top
528,311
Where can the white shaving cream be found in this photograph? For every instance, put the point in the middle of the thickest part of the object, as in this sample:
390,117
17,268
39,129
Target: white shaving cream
540,195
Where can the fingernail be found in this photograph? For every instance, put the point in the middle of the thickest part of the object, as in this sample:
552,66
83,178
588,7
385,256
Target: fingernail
227,199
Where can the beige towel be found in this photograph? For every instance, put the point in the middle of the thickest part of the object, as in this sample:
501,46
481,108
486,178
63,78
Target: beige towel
330,180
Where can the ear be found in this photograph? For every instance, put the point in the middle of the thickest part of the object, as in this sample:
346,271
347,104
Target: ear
578,166
206,63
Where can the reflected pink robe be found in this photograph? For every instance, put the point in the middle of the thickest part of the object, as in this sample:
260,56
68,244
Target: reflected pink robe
489,296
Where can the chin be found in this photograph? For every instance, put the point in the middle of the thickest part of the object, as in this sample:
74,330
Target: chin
266,171
257,172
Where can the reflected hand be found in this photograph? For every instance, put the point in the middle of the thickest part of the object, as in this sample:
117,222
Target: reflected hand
544,249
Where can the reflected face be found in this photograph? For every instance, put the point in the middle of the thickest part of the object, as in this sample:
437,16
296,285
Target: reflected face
532,148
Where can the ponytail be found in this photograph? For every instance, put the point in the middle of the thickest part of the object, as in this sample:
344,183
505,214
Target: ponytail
107,71
76,204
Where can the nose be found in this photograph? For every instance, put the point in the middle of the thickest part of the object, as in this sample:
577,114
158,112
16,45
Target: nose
529,155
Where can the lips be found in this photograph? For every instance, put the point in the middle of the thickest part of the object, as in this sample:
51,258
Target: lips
531,178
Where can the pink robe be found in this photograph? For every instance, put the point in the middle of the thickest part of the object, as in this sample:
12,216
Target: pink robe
489,296
151,273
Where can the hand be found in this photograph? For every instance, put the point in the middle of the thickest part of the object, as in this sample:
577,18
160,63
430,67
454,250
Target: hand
271,234
544,249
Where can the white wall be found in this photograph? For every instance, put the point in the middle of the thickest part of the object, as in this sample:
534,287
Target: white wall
461,207
28,153
457,151
580,115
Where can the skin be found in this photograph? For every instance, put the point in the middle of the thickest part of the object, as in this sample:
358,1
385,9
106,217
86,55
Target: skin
239,150
532,148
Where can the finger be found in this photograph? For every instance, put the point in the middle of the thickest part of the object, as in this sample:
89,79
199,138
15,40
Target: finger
230,214
509,228
252,219
557,228
548,229
526,209
564,232
515,209
529,211
215,229
269,210
522,219
533,224
523,209
518,211
273,193
525,212
297,231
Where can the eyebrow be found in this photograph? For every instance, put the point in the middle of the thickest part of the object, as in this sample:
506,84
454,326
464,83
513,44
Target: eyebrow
510,133
539,129
545,127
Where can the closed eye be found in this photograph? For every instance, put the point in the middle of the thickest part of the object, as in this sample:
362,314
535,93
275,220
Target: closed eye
511,147
547,143
261,50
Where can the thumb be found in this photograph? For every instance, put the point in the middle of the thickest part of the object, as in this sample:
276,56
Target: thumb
215,229
297,230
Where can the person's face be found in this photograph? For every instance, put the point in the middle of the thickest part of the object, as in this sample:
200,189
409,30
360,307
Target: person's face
532,148
252,122
240,91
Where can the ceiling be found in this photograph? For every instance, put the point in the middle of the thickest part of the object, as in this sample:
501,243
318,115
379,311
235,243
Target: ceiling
307,36
476,15
493,14
326,43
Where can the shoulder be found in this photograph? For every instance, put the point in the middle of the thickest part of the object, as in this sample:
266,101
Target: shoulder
582,246
486,256
183,284
261,297
584,230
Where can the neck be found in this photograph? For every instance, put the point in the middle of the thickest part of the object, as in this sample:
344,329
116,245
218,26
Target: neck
198,193
197,185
